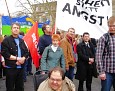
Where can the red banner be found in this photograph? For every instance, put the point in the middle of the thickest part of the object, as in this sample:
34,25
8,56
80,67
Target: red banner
31,39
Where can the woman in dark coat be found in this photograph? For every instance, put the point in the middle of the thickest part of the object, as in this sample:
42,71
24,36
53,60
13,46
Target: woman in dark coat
86,67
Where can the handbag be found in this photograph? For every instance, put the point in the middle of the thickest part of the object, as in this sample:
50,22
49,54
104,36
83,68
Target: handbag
38,78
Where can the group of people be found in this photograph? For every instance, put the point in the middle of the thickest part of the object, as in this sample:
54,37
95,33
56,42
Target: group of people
58,59
93,60
57,53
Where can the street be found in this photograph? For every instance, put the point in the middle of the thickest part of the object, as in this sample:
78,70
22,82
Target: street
29,86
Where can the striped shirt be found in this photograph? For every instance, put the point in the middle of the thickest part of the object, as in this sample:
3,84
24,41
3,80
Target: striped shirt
105,58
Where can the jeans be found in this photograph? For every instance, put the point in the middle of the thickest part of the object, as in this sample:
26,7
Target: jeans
70,73
107,84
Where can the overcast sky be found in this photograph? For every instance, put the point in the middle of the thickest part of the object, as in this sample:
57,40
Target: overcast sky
12,5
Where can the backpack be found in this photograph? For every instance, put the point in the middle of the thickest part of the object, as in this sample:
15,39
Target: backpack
106,47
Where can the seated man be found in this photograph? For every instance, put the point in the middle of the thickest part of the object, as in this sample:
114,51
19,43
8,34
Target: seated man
56,81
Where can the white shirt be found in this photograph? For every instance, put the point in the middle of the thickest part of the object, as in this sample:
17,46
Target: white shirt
54,48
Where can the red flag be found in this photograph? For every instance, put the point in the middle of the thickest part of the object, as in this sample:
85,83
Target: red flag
31,39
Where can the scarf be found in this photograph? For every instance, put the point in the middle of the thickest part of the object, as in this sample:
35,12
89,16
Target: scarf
69,39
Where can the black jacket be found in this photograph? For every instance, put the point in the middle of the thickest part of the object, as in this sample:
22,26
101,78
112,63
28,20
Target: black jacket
84,53
9,47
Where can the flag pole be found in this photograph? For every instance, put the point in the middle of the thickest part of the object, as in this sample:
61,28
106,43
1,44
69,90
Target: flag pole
8,11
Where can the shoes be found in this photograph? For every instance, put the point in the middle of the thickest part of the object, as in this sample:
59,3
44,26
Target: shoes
30,73
88,90
4,78
25,80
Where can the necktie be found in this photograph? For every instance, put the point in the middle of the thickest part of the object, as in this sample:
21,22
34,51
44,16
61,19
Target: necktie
88,45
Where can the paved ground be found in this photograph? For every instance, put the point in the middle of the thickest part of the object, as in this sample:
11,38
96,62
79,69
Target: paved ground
30,87
29,84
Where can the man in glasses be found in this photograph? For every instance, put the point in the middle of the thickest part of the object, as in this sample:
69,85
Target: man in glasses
56,81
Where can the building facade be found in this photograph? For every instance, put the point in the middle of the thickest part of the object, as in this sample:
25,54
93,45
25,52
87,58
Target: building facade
113,7
44,11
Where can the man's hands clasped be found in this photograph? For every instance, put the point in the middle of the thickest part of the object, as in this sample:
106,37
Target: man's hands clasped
20,60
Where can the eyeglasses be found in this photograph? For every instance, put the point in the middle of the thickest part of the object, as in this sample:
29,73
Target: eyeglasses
57,80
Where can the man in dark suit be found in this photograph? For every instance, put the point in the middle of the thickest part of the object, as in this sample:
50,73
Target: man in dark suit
86,65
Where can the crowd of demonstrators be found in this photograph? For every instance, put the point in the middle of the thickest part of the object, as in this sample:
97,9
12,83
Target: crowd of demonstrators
67,45
14,51
53,55
57,81
86,67
45,40
105,57
64,53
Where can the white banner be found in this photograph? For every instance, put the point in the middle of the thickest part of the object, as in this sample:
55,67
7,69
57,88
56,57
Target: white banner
84,15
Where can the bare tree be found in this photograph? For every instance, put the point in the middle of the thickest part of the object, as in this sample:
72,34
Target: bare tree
31,8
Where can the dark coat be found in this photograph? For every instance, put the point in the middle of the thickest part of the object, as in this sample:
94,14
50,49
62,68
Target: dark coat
44,41
84,53
9,47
